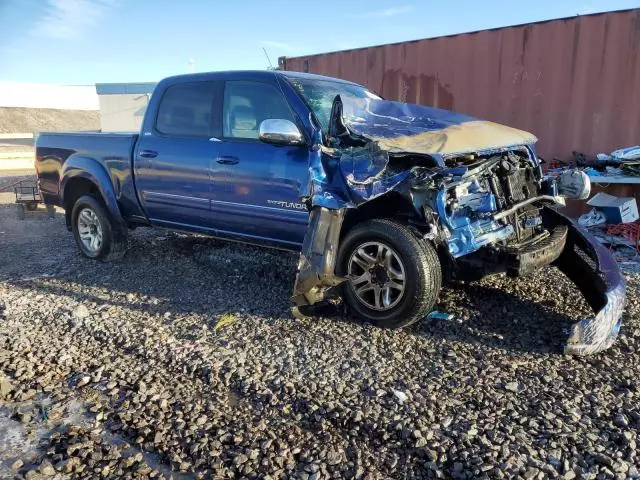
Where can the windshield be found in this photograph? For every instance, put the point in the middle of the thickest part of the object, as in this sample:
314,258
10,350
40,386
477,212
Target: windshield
320,94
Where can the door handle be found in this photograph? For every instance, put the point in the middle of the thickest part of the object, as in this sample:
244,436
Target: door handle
148,153
227,160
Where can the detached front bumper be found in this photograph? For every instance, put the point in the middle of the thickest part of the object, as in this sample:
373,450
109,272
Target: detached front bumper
594,271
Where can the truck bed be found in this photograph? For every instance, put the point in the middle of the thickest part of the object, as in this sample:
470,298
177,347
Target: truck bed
58,152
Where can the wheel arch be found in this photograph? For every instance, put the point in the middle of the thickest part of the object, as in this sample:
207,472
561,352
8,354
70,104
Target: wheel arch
391,205
86,176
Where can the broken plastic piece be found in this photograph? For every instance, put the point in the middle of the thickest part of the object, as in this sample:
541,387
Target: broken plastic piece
225,319
598,333
401,396
594,271
437,315
592,218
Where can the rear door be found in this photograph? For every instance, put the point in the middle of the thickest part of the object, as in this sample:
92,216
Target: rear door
257,184
173,161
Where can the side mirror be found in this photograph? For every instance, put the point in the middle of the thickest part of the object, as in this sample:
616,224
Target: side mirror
280,132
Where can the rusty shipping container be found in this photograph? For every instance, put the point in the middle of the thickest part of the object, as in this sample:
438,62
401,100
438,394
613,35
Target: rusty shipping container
573,82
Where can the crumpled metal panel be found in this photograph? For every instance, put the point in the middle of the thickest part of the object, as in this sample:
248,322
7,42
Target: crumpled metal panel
318,258
365,170
327,187
348,177
405,127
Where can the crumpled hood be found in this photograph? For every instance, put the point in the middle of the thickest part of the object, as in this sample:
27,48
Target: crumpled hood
354,174
410,128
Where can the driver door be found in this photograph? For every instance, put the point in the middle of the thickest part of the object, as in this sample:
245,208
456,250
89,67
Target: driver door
257,184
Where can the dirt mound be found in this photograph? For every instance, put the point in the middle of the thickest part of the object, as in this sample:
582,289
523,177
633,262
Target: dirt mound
27,120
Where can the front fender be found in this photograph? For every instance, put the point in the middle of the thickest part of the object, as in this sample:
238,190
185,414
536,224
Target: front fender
92,170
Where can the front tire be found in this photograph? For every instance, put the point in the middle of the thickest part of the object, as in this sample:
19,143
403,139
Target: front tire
394,276
92,227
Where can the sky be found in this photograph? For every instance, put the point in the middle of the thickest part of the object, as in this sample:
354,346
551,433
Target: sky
81,42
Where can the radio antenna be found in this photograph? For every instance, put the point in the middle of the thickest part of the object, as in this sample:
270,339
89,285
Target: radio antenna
268,59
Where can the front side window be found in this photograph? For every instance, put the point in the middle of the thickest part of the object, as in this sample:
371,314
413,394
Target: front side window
320,94
247,104
185,110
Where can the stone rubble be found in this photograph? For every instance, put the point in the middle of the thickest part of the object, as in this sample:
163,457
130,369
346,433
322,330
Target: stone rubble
117,370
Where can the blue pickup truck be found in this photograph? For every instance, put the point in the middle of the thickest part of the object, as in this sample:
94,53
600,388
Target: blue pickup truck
382,199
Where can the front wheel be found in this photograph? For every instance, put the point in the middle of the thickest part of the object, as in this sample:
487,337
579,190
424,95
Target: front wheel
394,276
91,227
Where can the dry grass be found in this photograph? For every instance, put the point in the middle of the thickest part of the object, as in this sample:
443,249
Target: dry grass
24,120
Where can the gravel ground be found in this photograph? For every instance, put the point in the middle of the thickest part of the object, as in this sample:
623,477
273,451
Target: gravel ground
182,360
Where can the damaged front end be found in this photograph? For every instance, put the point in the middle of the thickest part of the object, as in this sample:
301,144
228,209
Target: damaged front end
474,189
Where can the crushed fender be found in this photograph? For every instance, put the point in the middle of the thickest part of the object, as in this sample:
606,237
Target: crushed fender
317,260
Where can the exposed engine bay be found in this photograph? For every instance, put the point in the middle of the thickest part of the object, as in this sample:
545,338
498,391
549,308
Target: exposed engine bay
487,209
495,206
467,204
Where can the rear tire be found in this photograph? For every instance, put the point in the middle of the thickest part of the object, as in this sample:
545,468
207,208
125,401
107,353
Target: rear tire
386,258
92,227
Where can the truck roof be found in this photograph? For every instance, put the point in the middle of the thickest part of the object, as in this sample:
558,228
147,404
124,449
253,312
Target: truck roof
250,74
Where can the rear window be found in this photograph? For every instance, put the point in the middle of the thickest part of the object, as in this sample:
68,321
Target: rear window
186,110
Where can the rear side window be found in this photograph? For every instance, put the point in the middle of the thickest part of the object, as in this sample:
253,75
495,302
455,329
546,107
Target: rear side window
247,104
186,110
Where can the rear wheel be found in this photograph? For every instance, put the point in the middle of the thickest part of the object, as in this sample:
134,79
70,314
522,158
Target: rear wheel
394,277
92,227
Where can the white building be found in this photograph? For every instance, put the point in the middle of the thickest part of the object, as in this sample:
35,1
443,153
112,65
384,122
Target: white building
44,95
122,105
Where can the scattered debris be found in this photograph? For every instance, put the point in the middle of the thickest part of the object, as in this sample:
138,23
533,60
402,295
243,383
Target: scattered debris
629,232
592,218
615,209
614,222
629,153
512,386
225,319
436,315
401,396
619,163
